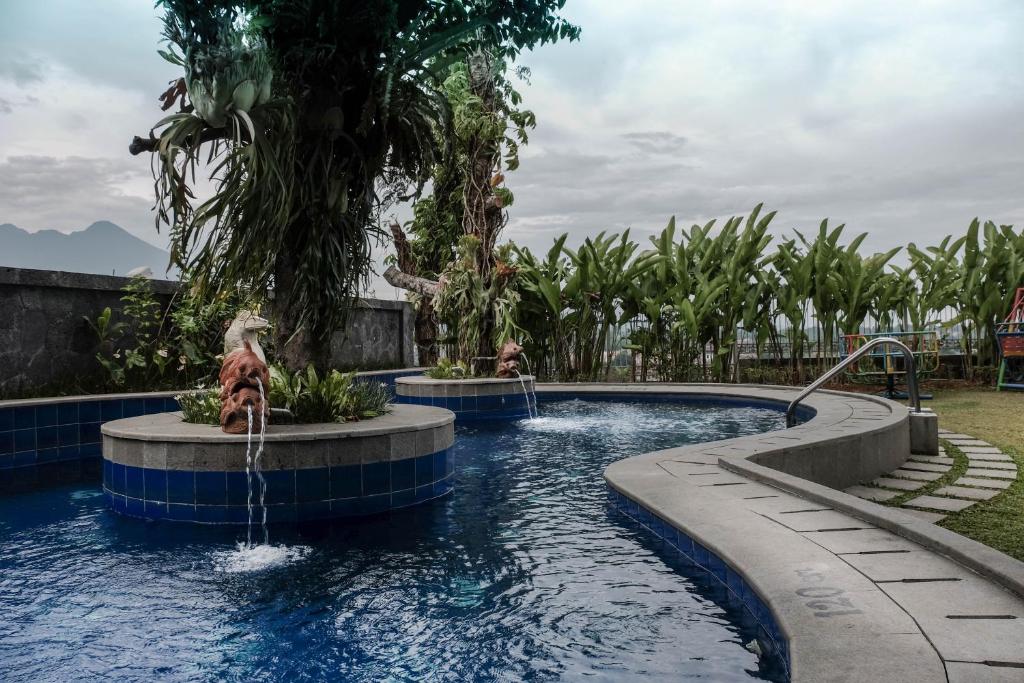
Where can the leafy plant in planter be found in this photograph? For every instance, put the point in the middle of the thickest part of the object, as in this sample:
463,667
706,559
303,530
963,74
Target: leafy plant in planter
200,407
331,397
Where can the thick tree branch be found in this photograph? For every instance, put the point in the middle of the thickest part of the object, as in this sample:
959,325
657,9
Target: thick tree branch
150,144
421,285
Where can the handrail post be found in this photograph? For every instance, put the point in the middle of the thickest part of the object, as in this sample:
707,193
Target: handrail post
908,355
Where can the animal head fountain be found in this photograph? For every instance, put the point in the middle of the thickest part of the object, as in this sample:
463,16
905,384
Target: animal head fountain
508,359
244,376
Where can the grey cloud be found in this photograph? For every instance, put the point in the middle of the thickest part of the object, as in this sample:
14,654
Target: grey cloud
655,142
71,193
22,71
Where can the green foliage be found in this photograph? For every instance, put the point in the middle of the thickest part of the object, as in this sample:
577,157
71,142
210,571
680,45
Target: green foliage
481,310
200,407
446,369
331,397
683,302
301,176
148,348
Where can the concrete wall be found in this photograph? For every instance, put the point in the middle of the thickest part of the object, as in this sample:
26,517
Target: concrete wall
45,339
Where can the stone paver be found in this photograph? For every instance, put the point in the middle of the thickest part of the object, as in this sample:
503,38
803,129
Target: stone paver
917,476
871,493
968,493
984,483
901,484
980,449
916,566
919,466
968,442
990,465
937,459
992,457
935,503
930,517
995,474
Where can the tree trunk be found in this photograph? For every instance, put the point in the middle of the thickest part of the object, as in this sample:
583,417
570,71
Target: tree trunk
294,346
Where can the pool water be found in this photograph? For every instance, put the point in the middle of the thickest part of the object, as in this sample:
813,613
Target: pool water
525,573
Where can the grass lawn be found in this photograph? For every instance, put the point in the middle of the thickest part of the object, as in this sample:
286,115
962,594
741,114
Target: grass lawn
996,417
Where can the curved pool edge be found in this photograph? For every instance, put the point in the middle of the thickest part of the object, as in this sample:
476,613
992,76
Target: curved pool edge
732,507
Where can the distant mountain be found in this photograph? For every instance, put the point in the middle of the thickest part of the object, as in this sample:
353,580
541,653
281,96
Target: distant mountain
102,248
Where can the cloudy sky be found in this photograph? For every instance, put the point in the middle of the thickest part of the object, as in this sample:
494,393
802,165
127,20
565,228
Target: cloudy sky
901,119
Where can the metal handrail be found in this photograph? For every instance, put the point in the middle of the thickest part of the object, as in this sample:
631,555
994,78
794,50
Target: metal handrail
915,397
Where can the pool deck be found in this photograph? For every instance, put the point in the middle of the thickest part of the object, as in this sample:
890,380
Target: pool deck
860,592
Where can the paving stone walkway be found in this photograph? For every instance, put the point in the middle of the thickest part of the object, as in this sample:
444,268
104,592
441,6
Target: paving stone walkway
989,472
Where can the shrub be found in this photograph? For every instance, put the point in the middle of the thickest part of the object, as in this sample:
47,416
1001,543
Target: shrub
445,369
200,407
335,397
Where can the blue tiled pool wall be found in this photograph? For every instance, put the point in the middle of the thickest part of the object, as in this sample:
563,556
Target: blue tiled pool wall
47,433
469,408
292,495
739,592
803,412
65,431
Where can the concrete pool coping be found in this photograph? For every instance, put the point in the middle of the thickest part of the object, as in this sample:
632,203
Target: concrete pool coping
859,591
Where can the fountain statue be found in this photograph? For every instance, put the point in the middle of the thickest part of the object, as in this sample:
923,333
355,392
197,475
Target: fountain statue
508,359
244,377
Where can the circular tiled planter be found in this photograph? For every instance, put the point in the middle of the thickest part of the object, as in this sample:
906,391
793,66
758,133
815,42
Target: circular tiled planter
158,467
487,398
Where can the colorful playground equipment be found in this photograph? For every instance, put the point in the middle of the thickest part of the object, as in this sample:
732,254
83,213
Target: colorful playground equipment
1010,334
885,363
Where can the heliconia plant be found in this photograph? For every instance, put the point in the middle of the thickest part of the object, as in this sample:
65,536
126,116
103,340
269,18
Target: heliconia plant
681,304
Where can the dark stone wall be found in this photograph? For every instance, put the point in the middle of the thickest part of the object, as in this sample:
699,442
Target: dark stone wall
45,339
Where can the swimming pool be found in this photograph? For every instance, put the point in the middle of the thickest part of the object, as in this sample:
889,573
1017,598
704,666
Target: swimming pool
525,573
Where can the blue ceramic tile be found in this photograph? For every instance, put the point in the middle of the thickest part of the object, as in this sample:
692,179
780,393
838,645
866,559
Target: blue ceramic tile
155,509
69,452
89,411
133,407
91,450
118,502
23,459
117,478
134,486
376,478
237,514
404,498
238,488
313,485
469,403
700,554
424,493
346,481
403,474
449,462
89,432
442,487
181,513
716,566
134,507
45,455
6,419
439,460
181,487
171,405
211,514
47,437
280,487
25,417
155,482
111,410
306,512
454,403
372,505
6,443
344,507
153,405
67,434
277,514
211,488
67,413
424,470
46,416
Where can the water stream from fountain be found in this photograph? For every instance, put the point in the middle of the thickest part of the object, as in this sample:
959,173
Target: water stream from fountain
529,371
526,395
258,464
